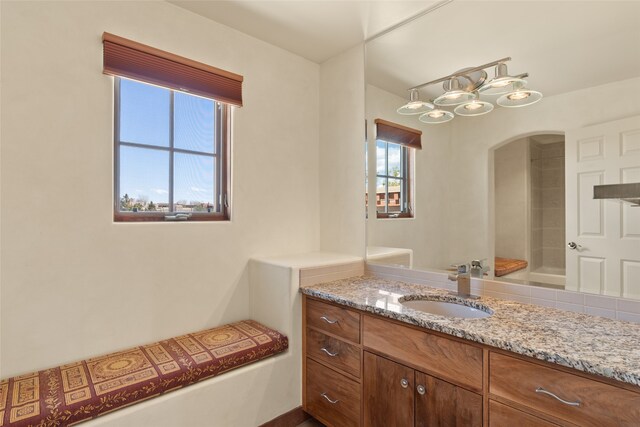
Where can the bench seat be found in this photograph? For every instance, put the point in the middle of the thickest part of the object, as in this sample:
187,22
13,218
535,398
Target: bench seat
76,392
504,266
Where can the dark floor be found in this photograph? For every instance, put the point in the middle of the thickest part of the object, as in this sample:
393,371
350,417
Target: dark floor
311,422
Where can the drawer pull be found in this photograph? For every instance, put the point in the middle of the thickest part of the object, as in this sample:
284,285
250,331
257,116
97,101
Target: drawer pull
328,352
404,383
329,321
333,402
421,390
566,402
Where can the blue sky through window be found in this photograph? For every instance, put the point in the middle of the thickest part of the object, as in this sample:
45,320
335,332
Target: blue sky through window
394,154
193,126
144,174
145,118
193,178
144,113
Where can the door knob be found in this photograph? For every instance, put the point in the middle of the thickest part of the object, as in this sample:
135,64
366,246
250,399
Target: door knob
573,245
421,389
404,383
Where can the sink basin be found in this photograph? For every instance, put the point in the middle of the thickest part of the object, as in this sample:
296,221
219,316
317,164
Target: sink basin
447,309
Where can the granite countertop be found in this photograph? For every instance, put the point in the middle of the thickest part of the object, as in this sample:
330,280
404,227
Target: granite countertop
592,344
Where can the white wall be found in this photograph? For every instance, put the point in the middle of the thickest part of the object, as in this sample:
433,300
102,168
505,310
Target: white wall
424,232
74,283
342,142
512,207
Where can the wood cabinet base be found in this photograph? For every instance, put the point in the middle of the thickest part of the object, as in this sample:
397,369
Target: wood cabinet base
362,369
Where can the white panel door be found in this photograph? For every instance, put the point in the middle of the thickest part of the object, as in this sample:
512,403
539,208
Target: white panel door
607,232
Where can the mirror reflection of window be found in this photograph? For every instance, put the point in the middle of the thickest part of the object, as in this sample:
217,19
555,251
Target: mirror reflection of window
392,195
394,157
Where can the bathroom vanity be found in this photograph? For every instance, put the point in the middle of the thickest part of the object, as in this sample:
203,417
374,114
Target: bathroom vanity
371,361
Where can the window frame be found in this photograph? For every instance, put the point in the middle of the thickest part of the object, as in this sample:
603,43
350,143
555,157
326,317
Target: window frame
406,180
221,156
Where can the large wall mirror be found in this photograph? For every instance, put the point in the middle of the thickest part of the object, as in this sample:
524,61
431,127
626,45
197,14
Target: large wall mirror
514,186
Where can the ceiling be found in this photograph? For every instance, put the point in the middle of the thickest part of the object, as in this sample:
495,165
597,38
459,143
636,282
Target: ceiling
316,30
563,45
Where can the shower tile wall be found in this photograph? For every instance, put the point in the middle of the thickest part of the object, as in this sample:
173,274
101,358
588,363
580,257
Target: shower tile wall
536,206
547,207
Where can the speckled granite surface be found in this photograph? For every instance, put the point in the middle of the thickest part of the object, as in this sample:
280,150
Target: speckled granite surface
597,345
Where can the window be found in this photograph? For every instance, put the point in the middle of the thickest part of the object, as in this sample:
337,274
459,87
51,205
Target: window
392,183
170,154
393,169
171,132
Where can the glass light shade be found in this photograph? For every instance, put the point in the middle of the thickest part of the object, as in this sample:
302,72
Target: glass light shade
501,85
436,116
519,98
415,106
502,82
455,95
474,108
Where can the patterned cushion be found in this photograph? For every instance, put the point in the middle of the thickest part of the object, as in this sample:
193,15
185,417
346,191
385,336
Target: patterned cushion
79,391
507,265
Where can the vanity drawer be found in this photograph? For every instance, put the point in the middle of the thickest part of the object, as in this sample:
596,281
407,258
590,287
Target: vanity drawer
331,397
334,352
502,415
600,404
451,360
339,321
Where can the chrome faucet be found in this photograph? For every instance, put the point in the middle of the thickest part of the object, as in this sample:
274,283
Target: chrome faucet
464,273
463,277
478,268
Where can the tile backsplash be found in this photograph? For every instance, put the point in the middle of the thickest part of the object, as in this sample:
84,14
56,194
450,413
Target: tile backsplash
597,305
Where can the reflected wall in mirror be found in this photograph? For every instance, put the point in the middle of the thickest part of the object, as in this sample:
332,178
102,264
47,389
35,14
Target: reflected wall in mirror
529,210
492,185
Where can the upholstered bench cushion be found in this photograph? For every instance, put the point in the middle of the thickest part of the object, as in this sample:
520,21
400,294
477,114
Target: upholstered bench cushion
507,265
79,391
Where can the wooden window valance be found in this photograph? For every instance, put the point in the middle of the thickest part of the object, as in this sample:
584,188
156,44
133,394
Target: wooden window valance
126,58
398,134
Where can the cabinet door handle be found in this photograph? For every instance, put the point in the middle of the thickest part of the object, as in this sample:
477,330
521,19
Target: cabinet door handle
404,383
328,352
548,393
328,320
333,402
421,389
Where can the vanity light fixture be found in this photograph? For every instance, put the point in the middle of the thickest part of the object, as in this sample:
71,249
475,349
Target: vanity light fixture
415,106
463,89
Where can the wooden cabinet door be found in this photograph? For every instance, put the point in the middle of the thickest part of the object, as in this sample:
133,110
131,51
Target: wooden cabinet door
388,400
441,404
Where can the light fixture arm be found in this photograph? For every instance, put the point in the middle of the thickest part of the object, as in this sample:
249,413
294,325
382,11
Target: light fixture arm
462,73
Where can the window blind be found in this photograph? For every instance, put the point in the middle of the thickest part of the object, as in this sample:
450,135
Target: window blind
398,134
127,58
